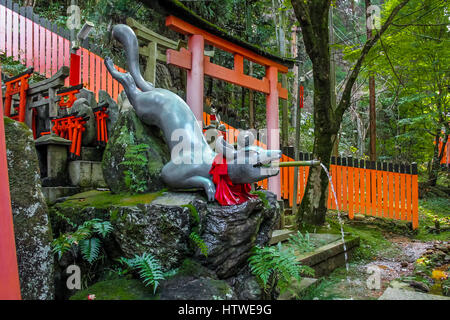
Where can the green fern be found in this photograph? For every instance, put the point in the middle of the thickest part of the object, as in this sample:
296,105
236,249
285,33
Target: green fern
301,242
276,267
263,198
199,243
90,249
135,161
148,267
83,236
193,211
63,217
61,245
103,228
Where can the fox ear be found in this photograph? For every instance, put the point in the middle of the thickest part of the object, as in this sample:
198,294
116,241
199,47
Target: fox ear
225,148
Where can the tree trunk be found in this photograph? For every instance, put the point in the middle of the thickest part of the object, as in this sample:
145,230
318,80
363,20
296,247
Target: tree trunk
315,31
313,207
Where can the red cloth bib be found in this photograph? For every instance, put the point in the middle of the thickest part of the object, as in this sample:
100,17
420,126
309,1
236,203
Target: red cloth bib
227,193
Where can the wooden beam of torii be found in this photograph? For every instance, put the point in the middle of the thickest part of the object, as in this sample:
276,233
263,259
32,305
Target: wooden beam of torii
198,65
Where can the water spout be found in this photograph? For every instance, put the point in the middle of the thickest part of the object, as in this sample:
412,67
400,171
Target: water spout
307,163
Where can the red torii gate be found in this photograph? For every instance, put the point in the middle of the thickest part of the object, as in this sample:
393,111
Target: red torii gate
198,65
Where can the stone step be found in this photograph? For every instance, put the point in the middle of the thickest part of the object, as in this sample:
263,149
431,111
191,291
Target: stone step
288,211
280,235
51,194
296,290
402,294
329,254
86,174
91,153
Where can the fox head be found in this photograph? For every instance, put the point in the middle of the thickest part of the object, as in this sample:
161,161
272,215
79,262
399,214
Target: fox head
245,163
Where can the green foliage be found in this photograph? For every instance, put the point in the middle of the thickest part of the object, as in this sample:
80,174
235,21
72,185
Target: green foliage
136,162
193,211
83,237
12,67
116,289
102,228
431,211
410,66
148,267
263,198
199,243
276,267
90,249
322,291
194,236
301,242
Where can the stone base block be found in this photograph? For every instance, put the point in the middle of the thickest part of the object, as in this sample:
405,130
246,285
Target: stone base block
53,193
86,174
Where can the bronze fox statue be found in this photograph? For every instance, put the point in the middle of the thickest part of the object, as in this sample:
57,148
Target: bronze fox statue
191,156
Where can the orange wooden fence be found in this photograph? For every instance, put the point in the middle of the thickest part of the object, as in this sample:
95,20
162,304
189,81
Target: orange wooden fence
38,43
446,158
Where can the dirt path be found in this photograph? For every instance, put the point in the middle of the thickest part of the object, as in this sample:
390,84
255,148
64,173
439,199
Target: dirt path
355,285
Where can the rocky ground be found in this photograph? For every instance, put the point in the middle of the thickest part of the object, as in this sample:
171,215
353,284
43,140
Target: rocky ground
402,262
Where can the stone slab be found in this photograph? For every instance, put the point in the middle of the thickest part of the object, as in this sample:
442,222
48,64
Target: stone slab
57,163
280,235
51,139
401,294
330,256
324,238
177,198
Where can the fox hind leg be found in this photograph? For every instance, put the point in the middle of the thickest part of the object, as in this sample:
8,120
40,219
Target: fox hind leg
177,177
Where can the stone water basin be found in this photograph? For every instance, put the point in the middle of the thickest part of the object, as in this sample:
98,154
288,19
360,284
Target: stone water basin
328,253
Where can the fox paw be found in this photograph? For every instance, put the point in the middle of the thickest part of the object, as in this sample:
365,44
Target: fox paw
211,193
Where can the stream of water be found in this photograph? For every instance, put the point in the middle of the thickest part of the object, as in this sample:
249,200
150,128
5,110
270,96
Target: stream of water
338,214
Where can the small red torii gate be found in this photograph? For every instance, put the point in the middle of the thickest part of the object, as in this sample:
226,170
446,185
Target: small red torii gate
197,65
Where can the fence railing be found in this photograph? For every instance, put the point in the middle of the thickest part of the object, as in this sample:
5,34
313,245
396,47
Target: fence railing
383,190
39,43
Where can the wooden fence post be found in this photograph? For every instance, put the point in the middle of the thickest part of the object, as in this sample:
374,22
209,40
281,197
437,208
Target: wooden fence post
415,196
350,193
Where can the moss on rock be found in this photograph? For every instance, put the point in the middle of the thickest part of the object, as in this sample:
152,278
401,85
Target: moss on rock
128,131
140,224
117,289
192,268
